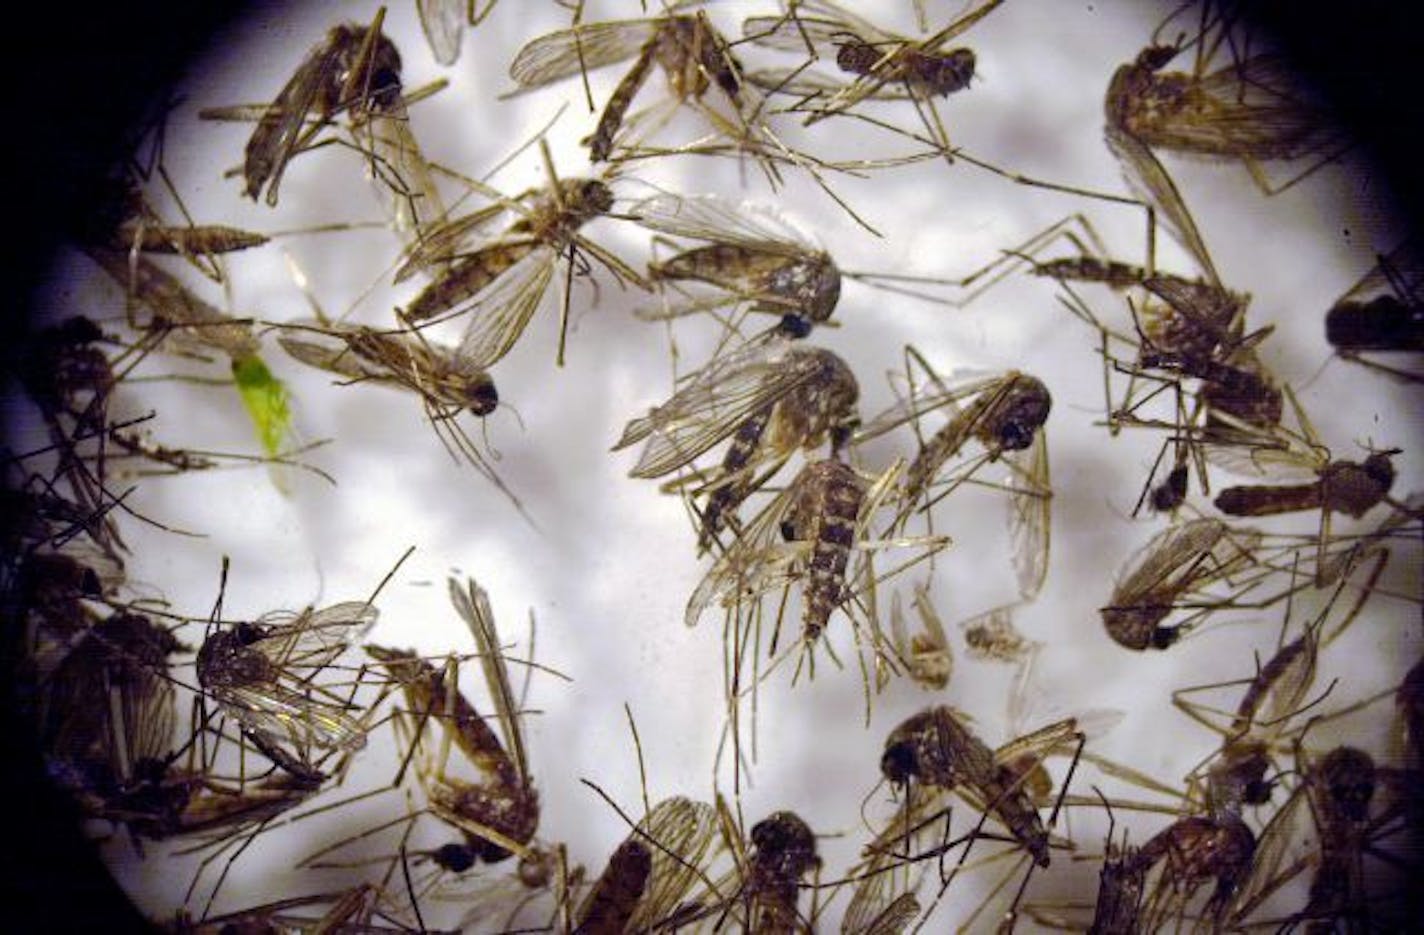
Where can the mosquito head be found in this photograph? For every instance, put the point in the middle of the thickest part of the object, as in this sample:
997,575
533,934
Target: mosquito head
480,395
1156,57
897,763
455,857
794,327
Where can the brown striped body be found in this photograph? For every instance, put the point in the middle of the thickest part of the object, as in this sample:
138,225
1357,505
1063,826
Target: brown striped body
825,403
503,802
615,896
935,748
737,482
824,512
1344,487
550,222
784,852
600,142
807,283
195,240
1112,273
937,74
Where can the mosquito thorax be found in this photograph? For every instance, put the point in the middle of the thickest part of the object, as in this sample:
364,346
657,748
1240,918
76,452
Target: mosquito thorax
592,197
1348,775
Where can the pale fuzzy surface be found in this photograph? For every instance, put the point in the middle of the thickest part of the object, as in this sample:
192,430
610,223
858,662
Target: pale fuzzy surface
609,569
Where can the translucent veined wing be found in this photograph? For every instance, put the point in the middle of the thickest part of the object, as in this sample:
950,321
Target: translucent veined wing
567,52
919,402
1149,181
679,833
472,604
443,22
315,637
273,710
443,241
757,561
500,312
710,217
719,399
817,23
1030,514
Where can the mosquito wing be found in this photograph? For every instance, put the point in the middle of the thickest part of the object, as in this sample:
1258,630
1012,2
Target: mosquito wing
709,217
442,241
271,709
1030,513
720,398
679,833
757,561
567,52
279,132
921,401
501,312
813,27
313,639
472,604
443,22
1149,180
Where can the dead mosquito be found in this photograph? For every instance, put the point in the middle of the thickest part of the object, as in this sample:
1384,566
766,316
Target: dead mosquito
753,258
355,71
771,398
934,752
501,282
1381,313
1174,571
1005,415
263,674
1251,110
874,64
448,384
688,48
498,813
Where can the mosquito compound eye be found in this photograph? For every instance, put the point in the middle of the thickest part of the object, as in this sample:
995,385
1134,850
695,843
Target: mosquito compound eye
483,397
457,858
898,763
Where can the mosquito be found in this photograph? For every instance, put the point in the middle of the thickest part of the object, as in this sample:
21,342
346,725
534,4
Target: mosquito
1191,852
447,383
1172,571
499,814
1253,110
501,282
1382,313
935,752
1005,414
262,675
783,853
874,64
771,398
355,71
358,908
753,258
691,52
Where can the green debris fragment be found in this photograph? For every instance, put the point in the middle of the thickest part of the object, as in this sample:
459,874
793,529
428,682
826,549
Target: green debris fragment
266,400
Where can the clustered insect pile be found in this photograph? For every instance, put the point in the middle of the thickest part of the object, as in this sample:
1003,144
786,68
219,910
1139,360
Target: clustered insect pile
824,506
